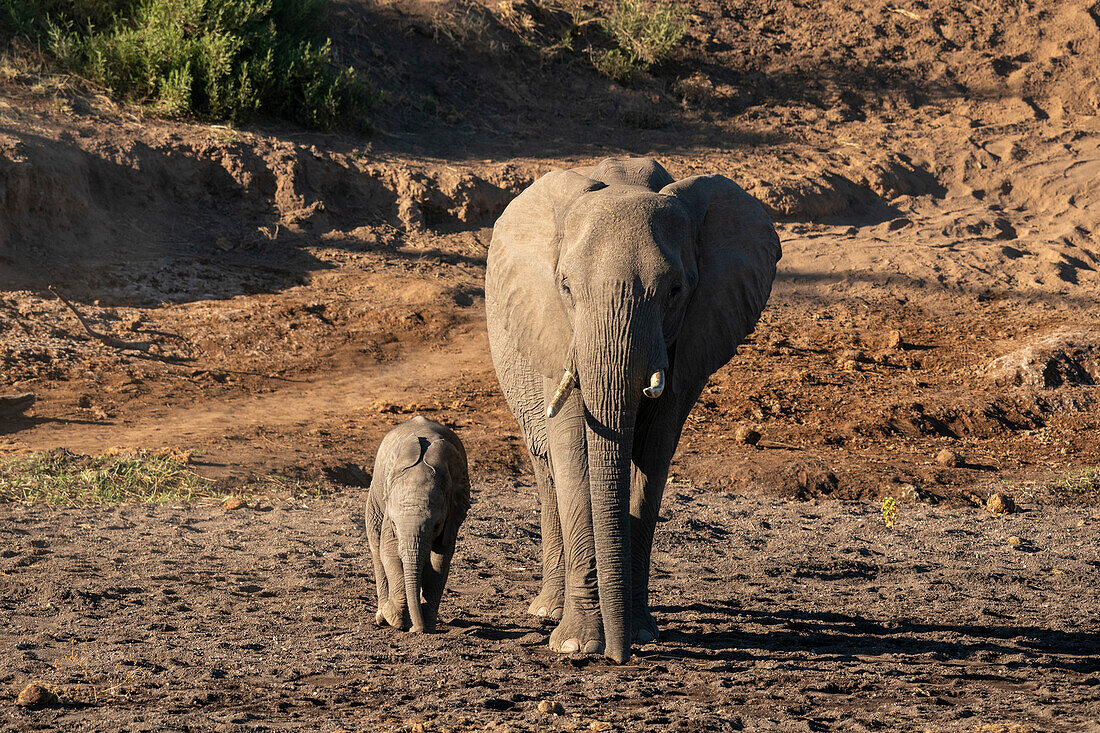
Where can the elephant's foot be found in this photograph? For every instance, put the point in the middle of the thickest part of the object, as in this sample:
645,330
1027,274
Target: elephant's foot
579,631
644,627
549,604
394,615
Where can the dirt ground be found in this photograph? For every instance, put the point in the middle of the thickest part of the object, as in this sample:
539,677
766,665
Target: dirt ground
931,168
775,615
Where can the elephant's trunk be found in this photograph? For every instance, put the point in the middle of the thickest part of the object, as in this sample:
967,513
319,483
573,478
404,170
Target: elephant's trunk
413,550
614,363
609,478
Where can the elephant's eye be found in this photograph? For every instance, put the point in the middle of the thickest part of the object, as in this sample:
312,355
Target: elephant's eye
565,290
674,293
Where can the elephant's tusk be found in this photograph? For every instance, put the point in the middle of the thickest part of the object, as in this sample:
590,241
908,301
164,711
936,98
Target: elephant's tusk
656,384
568,381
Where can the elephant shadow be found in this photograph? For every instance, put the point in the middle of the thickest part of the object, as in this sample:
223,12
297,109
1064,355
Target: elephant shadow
842,637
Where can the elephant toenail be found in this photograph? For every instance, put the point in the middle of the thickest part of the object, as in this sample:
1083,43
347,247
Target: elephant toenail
593,647
570,646
541,613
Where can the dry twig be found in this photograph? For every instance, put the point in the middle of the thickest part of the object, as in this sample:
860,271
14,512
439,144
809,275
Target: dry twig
109,340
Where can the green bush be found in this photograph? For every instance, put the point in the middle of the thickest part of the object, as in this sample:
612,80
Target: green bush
645,34
212,59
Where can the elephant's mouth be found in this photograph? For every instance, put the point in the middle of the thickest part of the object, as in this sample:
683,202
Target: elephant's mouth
569,380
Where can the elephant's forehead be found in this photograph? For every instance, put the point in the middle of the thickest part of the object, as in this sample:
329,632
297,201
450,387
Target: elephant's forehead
626,208
415,488
621,226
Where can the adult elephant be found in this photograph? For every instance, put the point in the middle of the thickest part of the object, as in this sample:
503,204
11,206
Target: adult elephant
604,285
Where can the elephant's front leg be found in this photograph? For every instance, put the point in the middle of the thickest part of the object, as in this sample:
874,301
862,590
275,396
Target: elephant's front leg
394,610
374,539
581,627
434,580
656,435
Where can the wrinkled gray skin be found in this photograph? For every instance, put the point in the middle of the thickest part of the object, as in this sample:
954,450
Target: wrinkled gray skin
419,496
613,274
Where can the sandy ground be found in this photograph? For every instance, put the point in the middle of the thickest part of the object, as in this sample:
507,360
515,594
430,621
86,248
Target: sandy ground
775,615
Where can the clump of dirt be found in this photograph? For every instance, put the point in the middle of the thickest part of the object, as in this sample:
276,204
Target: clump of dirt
1062,358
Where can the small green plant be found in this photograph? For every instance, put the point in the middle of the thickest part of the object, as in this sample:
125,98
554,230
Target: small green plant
645,33
614,64
1082,481
65,478
889,511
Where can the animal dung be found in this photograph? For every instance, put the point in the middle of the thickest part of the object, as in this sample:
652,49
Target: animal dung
746,435
36,695
1000,504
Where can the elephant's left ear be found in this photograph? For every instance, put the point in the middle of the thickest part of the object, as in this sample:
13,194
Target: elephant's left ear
453,455
736,251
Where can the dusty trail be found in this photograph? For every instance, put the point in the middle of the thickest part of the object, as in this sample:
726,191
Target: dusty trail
318,401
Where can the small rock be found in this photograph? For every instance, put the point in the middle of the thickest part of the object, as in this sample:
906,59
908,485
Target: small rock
1000,504
745,435
386,407
850,365
1015,541
36,695
894,340
551,706
16,403
949,458
909,492
230,503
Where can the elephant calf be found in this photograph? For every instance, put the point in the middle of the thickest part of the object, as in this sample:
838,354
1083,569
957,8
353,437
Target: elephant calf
418,498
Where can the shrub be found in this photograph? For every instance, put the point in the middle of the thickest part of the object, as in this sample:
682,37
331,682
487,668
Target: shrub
645,34
213,59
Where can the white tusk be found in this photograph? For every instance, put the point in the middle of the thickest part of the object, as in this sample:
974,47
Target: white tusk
656,384
568,381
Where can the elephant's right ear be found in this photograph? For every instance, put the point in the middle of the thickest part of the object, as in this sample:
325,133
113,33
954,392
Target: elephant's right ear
521,277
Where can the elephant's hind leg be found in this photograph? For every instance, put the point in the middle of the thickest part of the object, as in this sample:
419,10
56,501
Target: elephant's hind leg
550,602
